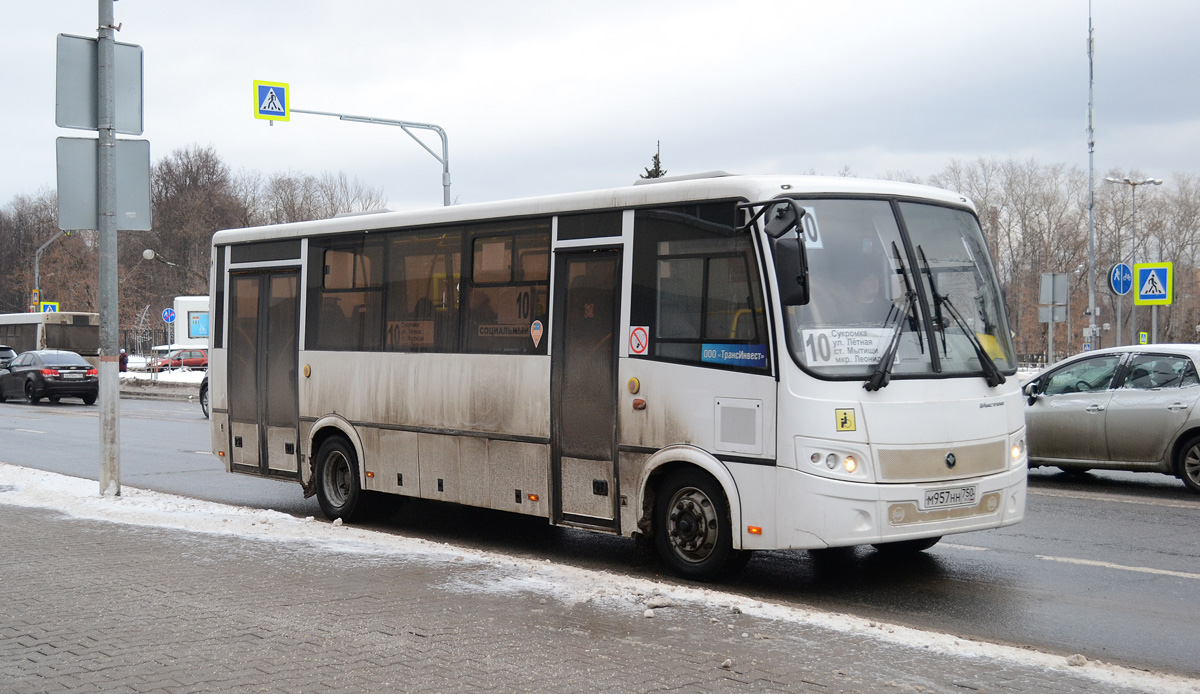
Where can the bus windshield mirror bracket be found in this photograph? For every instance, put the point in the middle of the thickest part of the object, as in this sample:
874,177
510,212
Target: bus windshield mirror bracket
791,256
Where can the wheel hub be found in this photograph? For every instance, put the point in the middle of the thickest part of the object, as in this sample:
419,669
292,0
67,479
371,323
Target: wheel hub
692,524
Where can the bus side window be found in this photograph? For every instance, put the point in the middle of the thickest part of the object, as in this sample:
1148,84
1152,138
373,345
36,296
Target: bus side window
422,291
696,285
351,297
508,289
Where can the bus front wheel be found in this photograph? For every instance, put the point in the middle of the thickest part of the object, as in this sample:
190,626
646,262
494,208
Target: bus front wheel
692,530
338,489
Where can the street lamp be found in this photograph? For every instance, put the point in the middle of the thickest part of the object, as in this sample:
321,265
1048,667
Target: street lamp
1133,241
150,254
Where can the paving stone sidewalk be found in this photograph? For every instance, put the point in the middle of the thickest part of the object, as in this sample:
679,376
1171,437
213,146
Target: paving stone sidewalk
90,606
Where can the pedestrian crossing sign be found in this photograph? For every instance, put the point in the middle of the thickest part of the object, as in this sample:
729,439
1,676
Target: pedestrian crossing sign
271,101
1154,283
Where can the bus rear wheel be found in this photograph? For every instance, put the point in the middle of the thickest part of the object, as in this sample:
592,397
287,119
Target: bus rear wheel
692,530
338,489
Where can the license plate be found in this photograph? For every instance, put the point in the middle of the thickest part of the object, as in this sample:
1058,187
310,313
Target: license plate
949,498
72,374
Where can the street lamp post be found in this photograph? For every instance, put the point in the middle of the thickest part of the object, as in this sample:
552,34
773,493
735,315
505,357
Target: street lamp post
1133,185
150,254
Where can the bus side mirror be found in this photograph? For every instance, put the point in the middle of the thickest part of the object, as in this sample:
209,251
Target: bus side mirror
791,271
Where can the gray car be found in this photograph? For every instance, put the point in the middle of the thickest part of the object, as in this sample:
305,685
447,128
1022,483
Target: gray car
1121,408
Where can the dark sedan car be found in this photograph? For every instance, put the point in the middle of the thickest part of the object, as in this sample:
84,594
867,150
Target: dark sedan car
49,373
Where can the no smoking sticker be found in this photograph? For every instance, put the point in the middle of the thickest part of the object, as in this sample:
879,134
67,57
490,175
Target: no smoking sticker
639,339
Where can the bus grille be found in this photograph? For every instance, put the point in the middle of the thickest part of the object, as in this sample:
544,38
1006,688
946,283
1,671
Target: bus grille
929,464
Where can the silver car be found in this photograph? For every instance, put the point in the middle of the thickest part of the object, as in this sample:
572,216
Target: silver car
1121,408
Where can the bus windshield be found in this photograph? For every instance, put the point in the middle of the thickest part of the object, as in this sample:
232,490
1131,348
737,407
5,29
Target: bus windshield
936,296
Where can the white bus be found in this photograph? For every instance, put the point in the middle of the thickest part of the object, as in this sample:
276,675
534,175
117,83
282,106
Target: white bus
716,365
73,331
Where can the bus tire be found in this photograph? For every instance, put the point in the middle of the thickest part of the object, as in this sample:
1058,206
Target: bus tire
338,489
692,530
906,546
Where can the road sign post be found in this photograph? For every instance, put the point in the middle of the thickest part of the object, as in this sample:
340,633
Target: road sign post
1120,281
1155,283
1054,291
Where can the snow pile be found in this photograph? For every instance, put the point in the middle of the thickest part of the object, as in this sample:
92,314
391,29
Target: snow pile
174,377
80,498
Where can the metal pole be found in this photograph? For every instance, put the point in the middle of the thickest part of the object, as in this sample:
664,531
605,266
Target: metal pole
37,262
1050,337
106,224
1093,334
1133,265
405,126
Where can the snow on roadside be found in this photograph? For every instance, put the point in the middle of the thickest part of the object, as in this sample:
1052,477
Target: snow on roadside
80,498
174,376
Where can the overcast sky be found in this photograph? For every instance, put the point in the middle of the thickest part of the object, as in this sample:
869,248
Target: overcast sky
547,97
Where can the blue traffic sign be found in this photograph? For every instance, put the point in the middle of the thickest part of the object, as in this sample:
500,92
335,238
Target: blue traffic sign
271,101
168,315
1120,279
1153,283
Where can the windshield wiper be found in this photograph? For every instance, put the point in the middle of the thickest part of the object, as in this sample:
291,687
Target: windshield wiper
990,371
883,370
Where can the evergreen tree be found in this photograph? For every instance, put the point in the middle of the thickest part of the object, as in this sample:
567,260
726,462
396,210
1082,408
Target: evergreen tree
656,171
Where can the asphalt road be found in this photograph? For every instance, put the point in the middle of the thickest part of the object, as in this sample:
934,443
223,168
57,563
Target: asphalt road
1106,564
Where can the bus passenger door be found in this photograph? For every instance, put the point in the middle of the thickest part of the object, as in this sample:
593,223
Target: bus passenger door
583,388
263,341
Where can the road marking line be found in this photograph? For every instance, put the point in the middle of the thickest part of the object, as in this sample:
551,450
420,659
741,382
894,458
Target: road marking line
1104,497
970,548
1108,565
30,431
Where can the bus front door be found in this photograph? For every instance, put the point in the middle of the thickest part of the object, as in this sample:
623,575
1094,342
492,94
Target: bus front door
264,310
583,369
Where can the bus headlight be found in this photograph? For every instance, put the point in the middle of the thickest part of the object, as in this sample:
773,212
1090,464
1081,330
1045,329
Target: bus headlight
1018,450
840,463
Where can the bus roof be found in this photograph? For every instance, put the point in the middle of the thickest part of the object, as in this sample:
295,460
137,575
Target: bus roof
670,190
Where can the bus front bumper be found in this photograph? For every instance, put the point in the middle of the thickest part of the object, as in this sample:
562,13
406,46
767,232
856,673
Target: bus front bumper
816,512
